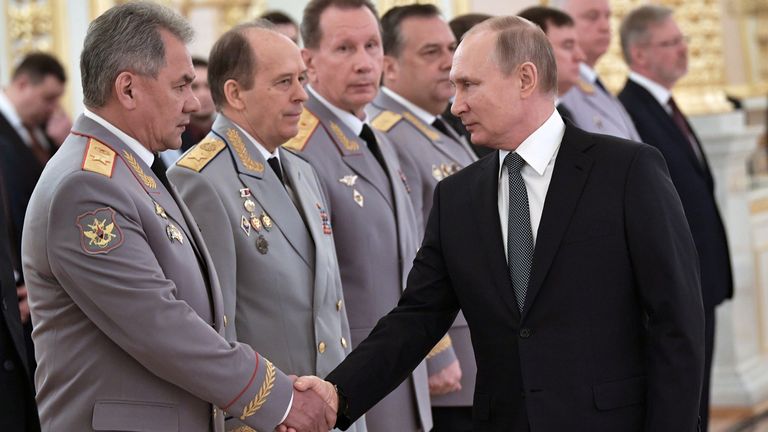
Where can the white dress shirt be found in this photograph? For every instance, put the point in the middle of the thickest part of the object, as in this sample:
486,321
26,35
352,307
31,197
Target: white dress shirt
9,112
346,117
656,90
539,152
144,153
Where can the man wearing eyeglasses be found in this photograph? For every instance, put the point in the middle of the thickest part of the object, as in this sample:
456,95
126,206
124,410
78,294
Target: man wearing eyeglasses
657,55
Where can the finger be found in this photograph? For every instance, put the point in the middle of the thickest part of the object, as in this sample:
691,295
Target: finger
307,382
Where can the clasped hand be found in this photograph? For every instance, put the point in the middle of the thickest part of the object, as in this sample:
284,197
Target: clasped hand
314,406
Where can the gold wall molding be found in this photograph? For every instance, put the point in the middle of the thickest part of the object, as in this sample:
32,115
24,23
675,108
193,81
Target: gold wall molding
752,18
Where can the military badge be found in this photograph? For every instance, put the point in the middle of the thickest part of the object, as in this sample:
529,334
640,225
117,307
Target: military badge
174,233
404,179
262,245
99,232
249,205
159,210
437,173
266,221
358,197
245,225
324,219
256,223
348,180
245,192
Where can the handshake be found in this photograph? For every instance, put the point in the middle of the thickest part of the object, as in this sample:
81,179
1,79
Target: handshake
314,407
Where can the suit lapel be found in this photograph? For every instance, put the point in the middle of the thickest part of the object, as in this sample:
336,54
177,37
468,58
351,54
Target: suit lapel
265,187
487,222
570,174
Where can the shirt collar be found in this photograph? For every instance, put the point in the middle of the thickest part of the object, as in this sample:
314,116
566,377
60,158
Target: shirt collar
143,152
418,112
346,117
658,91
264,152
537,150
587,73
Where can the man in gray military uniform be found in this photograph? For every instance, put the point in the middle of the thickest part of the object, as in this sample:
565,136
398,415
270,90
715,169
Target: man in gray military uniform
592,107
418,50
261,209
373,221
127,307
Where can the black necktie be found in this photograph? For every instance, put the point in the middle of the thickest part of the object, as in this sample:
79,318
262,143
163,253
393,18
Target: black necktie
601,85
440,125
367,135
158,167
519,233
274,162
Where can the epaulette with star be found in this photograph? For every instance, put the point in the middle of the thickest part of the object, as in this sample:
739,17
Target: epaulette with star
386,120
307,125
201,154
99,158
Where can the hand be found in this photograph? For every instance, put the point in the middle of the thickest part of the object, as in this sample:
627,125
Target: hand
309,411
21,293
58,126
446,381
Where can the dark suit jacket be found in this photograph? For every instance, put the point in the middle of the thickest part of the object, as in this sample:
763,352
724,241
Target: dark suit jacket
17,403
694,184
611,335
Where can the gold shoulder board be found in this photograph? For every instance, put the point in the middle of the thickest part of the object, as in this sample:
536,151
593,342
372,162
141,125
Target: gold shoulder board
385,120
307,125
586,87
201,154
99,158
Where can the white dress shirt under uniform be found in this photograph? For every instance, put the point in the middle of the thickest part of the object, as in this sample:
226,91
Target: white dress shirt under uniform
539,152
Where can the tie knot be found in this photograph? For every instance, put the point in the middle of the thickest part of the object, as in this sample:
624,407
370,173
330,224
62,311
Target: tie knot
514,162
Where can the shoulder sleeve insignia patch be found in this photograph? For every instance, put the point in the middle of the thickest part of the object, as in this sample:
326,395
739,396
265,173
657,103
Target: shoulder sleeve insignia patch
99,232
201,154
386,120
99,158
585,86
307,125
429,133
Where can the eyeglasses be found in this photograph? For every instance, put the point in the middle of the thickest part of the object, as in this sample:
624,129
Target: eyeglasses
671,43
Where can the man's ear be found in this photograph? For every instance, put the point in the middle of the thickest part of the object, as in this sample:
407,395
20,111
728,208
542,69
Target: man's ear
125,89
233,96
308,56
391,68
529,78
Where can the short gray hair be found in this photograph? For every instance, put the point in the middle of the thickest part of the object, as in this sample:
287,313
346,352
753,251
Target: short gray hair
126,38
518,41
634,28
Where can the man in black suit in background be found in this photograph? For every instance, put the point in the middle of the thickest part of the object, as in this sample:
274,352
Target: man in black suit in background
569,255
657,54
18,412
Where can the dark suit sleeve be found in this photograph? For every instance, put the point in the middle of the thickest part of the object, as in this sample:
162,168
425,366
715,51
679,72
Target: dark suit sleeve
402,338
666,272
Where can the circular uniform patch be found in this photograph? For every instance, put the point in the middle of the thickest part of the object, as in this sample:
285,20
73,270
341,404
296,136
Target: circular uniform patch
99,232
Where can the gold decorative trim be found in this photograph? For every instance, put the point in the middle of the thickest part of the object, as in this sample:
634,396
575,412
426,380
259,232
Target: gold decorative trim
242,152
386,120
307,124
348,144
432,135
243,428
441,346
99,158
264,391
202,154
147,180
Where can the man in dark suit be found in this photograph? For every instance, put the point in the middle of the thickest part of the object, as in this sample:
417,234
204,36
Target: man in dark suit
18,412
27,106
594,321
657,55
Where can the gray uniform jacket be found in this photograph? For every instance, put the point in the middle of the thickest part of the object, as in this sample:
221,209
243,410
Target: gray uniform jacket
595,110
375,230
126,305
427,156
274,254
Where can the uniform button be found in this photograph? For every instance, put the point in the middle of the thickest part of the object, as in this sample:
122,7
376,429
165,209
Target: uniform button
321,347
225,320
338,305
343,342
8,365
525,332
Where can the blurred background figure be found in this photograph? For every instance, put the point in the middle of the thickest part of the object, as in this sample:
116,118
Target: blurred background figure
283,24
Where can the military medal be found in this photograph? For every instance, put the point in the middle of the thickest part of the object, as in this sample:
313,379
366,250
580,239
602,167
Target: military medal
404,179
174,233
249,205
245,193
160,211
266,221
358,197
255,223
348,180
437,173
324,220
245,225
262,245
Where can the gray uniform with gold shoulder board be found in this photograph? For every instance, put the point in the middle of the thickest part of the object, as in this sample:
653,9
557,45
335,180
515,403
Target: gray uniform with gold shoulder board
374,226
273,250
126,304
594,109
427,156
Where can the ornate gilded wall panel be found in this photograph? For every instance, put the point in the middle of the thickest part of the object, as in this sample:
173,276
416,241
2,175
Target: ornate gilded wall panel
752,17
